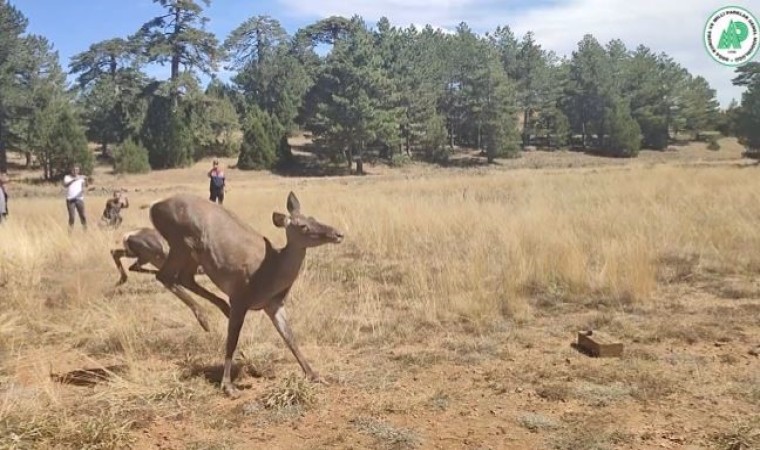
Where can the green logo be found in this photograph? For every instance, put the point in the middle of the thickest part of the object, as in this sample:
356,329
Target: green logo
732,36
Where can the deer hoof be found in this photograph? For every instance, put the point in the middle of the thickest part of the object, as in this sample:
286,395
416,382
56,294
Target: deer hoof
231,391
315,378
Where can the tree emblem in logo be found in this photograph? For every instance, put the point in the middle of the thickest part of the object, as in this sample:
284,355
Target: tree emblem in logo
732,36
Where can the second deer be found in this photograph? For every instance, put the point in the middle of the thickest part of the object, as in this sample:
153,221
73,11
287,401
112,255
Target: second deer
145,244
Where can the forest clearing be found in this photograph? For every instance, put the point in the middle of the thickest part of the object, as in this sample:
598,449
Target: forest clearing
493,184
444,320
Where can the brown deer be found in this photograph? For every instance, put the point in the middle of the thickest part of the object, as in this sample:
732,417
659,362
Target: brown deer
145,244
241,263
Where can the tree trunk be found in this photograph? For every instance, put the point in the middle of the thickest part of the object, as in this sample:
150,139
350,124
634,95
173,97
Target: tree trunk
525,130
104,149
350,158
451,135
28,156
3,152
359,166
359,162
480,136
583,135
175,48
175,60
408,142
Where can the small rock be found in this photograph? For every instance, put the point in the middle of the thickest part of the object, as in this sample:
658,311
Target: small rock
755,351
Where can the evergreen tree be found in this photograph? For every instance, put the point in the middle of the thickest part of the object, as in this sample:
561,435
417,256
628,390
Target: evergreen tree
747,129
257,150
588,88
646,88
348,102
700,106
110,86
59,140
179,38
166,136
214,124
624,132
270,74
12,49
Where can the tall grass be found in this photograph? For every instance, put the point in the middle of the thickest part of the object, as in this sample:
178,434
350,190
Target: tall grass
439,248
421,253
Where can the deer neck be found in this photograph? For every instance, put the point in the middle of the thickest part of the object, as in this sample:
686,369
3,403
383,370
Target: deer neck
289,261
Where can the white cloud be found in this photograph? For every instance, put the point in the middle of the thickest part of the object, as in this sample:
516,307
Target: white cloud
660,25
399,12
444,30
675,28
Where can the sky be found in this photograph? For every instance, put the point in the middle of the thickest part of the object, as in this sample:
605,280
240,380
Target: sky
558,25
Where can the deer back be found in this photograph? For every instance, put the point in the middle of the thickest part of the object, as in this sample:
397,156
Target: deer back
227,248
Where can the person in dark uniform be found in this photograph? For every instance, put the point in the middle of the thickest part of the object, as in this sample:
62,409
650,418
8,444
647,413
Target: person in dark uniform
216,183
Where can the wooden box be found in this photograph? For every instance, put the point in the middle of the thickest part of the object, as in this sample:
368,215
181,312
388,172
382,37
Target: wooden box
599,344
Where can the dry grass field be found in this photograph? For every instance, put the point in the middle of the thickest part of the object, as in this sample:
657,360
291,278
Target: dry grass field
443,321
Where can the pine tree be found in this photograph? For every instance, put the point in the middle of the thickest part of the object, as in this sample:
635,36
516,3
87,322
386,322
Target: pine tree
348,104
269,74
645,86
165,135
110,85
59,141
12,49
624,132
747,128
257,150
214,124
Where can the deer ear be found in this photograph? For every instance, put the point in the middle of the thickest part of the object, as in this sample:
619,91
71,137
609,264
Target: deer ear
280,220
294,205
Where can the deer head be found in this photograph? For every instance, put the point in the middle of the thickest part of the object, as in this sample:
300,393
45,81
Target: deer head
304,231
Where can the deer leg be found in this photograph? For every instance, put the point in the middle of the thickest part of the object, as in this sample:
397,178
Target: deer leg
117,255
138,267
187,279
276,313
169,277
234,325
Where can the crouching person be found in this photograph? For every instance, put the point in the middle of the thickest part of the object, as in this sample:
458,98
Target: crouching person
112,213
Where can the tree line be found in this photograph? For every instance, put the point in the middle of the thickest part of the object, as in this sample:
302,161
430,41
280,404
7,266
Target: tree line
381,92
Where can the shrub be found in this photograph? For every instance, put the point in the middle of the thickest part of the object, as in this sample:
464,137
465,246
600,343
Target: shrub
131,158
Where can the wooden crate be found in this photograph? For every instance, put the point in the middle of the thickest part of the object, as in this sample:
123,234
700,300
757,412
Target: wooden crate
599,344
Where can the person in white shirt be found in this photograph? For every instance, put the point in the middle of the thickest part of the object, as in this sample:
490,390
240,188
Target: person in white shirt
75,185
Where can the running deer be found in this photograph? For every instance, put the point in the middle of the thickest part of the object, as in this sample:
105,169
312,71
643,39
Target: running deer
239,261
145,244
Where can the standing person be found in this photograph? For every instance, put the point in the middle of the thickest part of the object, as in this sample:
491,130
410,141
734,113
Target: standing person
216,183
75,184
3,199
